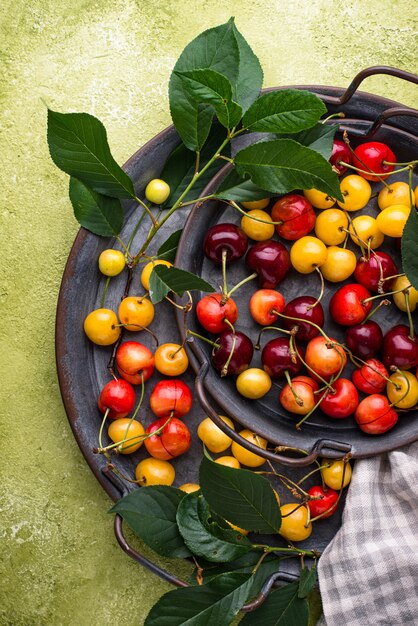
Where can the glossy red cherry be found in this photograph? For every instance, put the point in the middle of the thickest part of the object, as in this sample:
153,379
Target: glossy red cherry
242,353
118,396
276,358
399,349
340,152
371,156
135,362
364,340
348,307
343,402
375,416
296,214
173,440
303,308
371,377
171,396
271,261
304,388
227,237
262,304
370,271
212,313
328,503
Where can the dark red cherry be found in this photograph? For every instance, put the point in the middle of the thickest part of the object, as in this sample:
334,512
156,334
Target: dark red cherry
348,307
242,353
369,272
276,358
296,214
271,261
227,237
364,340
399,349
340,152
302,308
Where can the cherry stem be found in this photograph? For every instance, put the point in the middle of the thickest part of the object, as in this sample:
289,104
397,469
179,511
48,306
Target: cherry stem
408,311
367,170
409,163
318,300
313,409
148,210
251,217
240,284
376,308
224,284
154,336
135,439
293,487
224,371
297,398
358,362
102,427
209,341
313,553
105,291
317,469
356,239
330,117
388,293
281,330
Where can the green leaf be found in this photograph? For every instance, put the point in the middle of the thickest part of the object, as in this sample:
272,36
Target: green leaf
247,85
216,603
101,215
168,249
165,279
78,145
151,513
282,608
244,565
234,187
210,87
307,581
240,496
204,537
409,248
319,138
283,165
284,111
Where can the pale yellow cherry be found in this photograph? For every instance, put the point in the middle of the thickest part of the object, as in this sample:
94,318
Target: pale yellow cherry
255,229
340,264
256,204
146,272
189,487
228,461
391,221
365,231
396,193
319,199
331,226
402,282
246,457
212,436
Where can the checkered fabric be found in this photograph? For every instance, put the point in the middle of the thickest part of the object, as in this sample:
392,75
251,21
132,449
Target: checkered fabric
368,574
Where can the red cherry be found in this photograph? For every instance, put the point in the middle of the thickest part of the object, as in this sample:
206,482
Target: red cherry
118,396
399,349
171,396
340,152
369,272
303,309
371,156
211,313
227,237
375,416
262,304
369,378
328,503
325,359
135,362
304,387
173,440
364,340
343,402
348,307
296,214
271,261
277,359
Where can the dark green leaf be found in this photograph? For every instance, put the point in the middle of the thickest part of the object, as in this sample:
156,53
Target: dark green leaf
151,513
319,138
283,165
409,248
204,537
210,87
240,496
282,608
101,215
234,187
247,85
165,279
168,249
216,603
78,145
244,565
307,581
284,111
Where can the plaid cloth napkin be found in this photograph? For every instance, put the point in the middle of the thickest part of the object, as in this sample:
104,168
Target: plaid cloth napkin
368,574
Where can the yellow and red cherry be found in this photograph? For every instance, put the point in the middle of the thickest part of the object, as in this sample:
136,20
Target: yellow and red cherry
136,313
228,237
171,359
325,505
374,156
336,474
307,254
299,398
253,383
296,215
270,260
374,415
370,377
340,152
246,457
364,340
301,313
101,327
256,204
356,192
371,271
343,402
157,191
242,351
277,358
212,436
295,526
325,358
255,228
395,193
399,348
171,397
364,230
402,285
123,428
350,305
265,304
331,226
402,391
111,262
146,272
228,461
117,397
172,441
340,264
319,199
212,312
391,221
152,471
135,362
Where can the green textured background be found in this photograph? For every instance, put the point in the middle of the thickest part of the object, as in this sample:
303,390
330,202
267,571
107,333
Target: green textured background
59,562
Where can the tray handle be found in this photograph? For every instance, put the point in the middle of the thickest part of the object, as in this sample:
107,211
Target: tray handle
325,447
